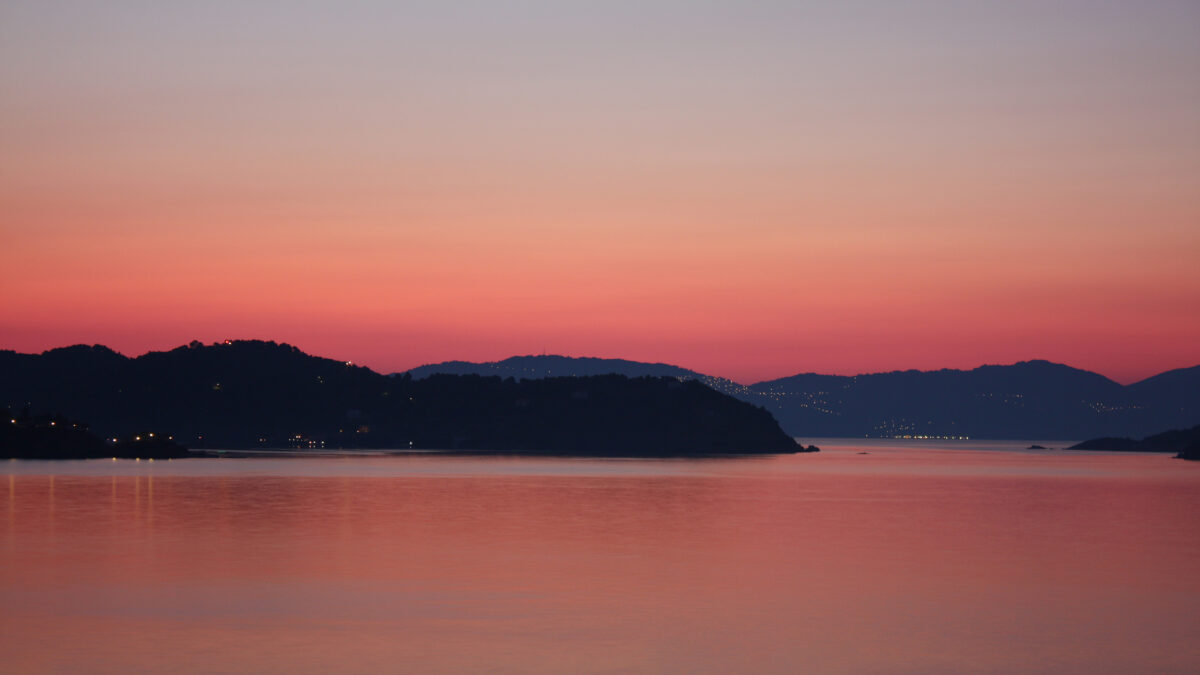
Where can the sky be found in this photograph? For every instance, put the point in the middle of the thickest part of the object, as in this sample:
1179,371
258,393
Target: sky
747,189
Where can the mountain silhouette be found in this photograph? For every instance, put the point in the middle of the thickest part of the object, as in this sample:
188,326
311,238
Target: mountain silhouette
246,394
1031,399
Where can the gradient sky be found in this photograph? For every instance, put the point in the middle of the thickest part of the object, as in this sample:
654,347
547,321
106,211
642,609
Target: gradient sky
747,189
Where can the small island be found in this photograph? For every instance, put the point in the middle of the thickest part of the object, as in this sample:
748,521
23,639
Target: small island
1182,441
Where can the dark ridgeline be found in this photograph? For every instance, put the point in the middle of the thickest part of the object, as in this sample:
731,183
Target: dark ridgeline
249,394
1031,399
1185,442
551,365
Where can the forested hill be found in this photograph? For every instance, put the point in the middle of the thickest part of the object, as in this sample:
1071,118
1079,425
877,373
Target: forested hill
246,394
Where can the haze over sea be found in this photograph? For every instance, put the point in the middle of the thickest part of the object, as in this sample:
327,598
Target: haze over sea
916,557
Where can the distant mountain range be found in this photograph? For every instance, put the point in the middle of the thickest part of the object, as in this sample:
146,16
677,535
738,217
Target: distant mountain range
1030,399
262,394
255,394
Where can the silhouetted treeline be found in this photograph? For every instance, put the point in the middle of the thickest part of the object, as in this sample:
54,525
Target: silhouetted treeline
249,394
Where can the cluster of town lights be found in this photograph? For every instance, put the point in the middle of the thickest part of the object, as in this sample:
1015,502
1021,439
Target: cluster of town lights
934,438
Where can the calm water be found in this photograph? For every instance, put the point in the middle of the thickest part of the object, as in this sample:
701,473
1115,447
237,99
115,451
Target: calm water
910,559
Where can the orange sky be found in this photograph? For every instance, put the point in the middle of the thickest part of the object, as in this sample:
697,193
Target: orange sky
747,192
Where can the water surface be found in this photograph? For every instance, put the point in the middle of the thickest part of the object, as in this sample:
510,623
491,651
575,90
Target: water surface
912,558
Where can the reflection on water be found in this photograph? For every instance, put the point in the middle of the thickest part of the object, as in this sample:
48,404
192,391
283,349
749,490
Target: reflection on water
906,559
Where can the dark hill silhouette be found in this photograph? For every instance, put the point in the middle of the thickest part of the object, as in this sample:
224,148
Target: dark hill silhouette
552,365
247,394
1181,441
1031,399
549,365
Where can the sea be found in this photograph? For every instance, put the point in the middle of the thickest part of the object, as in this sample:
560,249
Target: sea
872,556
